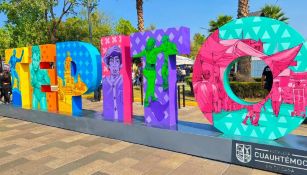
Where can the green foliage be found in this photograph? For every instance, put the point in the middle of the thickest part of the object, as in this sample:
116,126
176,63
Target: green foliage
188,80
73,29
275,12
32,22
76,28
219,22
91,4
248,89
257,79
242,89
124,27
35,22
102,26
25,21
4,41
198,40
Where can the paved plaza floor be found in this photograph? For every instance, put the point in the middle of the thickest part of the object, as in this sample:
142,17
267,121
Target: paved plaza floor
29,148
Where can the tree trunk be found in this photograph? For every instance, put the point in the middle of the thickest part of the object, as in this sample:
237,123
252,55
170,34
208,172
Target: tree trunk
139,8
244,64
89,11
53,32
53,36
243,8
244,69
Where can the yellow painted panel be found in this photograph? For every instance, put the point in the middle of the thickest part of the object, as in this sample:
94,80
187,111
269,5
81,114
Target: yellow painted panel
23,72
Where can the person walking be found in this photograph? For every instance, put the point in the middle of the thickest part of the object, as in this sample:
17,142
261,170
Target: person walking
183,74
267,79
178,74
1,90
1,65
6,86
97,93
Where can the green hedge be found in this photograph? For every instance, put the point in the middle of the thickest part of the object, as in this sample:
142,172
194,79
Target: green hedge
257,79
242,89
188,80
248,89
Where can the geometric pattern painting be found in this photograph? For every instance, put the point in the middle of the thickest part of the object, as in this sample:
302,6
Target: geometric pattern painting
282,49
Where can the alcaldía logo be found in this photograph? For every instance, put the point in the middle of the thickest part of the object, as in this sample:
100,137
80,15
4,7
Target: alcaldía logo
243,152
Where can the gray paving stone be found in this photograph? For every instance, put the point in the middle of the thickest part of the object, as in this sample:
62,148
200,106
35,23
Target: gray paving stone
83,161
100,173
12,164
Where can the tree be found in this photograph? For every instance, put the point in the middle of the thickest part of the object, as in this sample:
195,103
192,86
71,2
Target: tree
275,12
76,28
73,29
68,8
90,5
139,9
124,27
25,20
35,22
220,21
198,40
102,26
243,8
244,63
5,40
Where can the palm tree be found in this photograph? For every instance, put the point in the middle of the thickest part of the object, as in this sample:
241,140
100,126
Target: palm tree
275,12
243,8
139,9
244,63
220,21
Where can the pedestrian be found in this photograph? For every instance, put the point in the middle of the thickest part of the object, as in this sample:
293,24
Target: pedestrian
1,90
133,78
183,74
6,86
1,66
267,78
188,70
97,93
140,76
178,74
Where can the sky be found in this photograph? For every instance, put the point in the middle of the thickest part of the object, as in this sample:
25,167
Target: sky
194,14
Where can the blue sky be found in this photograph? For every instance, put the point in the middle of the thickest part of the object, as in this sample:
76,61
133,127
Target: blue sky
195,14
